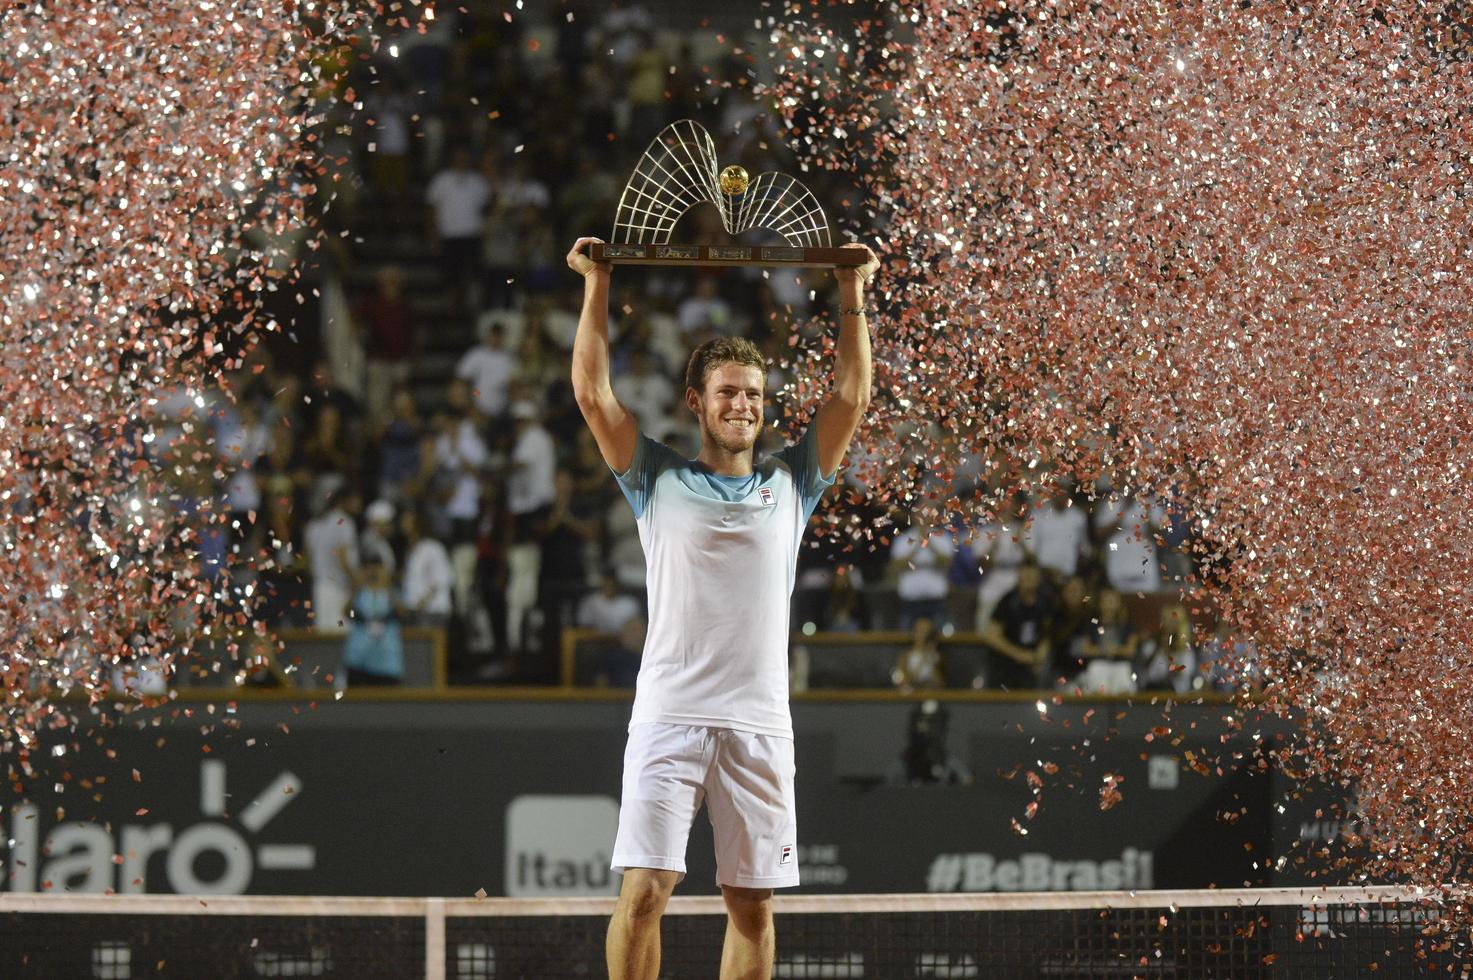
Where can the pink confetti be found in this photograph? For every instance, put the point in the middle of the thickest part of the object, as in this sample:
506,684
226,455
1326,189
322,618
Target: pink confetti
1219,255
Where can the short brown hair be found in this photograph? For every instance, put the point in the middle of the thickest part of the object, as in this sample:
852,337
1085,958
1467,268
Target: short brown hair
721,350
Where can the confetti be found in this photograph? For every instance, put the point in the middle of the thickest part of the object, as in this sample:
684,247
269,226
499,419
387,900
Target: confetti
154,157
1219,256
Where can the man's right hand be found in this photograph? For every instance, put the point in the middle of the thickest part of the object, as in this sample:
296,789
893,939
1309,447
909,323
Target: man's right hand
580,263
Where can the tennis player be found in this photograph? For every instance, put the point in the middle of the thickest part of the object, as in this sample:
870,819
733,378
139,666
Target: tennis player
720,534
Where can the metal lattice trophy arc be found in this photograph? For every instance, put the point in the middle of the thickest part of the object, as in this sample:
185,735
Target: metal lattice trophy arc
679,171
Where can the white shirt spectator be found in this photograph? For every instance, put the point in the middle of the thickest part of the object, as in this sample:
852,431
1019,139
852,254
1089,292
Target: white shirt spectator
1175,668
648,395
458,197
463,453
605,613
999,549
240,444
1057,537
323,537
561,327
924,576
429,578
1114,513
704,311
391,114
626,551
326,538
489,370
534,469
1130,561
520,191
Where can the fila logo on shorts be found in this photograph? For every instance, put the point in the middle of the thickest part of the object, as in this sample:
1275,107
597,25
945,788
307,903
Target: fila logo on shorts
787,856
765,495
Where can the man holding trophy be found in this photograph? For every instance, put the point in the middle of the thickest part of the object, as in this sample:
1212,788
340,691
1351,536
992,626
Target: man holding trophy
721,532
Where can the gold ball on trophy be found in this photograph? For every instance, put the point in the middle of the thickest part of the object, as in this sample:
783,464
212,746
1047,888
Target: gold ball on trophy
733,179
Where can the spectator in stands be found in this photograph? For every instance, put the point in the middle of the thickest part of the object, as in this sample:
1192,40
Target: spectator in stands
625,552
964,580
570,528
1019,629
537,362
376,541
531,489
1129,550
327,452
590,472
999,549
677,430
399,439
493,543
847,610
390,109
285,409
461,455
1058,535
240,441
920,665
1101,656
1227,661
332,550
283,592
324,389
704,314
1174,540
1072,615
608,609
619,666
374,651
1168,660
926,758
385,322
488,368
536,252
429,578
644,391
920,557
458,197
649,72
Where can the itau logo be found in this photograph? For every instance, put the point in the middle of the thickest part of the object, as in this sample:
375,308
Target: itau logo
559,845
207,857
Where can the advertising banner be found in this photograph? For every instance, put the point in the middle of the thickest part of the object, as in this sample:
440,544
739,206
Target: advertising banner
404,811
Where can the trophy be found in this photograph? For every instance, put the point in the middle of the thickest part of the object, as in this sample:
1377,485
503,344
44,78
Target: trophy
678,171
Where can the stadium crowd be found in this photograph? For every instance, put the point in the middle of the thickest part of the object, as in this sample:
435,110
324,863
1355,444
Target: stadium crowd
409,454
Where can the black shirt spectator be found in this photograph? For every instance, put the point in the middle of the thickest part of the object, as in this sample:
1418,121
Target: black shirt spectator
1019,628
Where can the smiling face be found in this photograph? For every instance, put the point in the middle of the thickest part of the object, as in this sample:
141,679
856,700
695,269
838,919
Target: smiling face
729,408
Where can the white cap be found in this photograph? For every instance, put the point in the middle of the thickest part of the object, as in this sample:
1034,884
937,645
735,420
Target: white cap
379,512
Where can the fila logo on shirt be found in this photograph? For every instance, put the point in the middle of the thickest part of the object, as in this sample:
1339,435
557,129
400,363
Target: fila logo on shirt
787,855
765,495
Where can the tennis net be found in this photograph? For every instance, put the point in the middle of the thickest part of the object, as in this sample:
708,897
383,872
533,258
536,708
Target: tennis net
1232,934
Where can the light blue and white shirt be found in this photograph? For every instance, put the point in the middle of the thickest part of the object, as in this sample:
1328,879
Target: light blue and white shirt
721,553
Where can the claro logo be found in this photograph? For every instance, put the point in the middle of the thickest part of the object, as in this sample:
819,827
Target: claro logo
210,857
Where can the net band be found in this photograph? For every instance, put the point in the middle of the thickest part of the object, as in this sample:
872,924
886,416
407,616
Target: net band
1228,934
714,905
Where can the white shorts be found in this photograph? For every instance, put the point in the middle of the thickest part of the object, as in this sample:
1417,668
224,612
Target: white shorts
746,781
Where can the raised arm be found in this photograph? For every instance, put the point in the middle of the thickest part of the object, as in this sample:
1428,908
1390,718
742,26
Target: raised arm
614,428
839,415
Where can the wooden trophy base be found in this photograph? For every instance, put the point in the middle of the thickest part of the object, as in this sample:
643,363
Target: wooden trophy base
709,255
